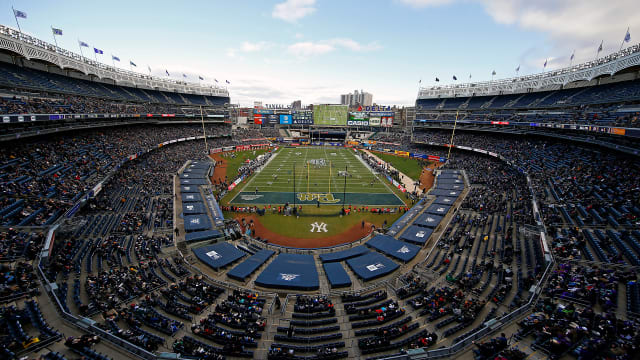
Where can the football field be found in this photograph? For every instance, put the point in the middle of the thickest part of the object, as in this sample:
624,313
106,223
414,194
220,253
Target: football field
317,174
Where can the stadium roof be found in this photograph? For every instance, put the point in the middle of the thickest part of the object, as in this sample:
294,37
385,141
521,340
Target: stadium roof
35,49
607,65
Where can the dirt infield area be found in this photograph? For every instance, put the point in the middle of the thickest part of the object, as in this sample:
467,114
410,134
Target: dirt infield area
351,234
220,171
426,177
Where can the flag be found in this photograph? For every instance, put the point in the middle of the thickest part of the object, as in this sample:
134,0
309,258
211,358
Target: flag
600,47
493,73
19,14
83,44
115,58
227,81
518,68
149,67
98,51
437,80
216,80
134,64
420,82
469,76
573,55
200,77
56,31
167,71
627,37
184,76
545,62
454,77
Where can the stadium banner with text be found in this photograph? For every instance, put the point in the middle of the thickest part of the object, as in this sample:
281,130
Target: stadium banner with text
286,119
374,121
402,153
258,119
216,150
330,115
273,119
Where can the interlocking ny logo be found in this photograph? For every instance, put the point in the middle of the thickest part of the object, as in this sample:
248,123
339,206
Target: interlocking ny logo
315,227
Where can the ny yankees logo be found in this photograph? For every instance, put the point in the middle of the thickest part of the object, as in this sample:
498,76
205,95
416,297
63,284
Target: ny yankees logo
315,227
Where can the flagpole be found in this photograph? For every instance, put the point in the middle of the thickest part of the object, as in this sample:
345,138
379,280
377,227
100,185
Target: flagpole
571,58
17,22
81,53
113,61
204,132
623,39
54,38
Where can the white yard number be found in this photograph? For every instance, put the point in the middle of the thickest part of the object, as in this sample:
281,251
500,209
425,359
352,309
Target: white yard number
315,227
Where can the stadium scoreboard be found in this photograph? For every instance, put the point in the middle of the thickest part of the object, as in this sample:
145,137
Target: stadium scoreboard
330,115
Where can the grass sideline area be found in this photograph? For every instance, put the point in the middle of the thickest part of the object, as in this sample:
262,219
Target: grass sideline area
411,167
299,227
234,159
317,174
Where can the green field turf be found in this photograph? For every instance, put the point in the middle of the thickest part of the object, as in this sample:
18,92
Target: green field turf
234,162
318,174
409,166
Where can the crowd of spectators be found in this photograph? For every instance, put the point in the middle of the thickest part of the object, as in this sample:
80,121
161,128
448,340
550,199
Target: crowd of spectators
55,103
42,178
559,328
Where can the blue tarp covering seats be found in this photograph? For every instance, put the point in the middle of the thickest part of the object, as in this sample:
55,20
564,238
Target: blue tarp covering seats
191,197
448,187
438,209
194,170
192,175
444,200
371,266
218,255
248,266
189,189
395,248
416,234
193,208
290,271
193,182
196,223
442,192
449,176
449,181
428,220
199,164
202,235
336,275
344,254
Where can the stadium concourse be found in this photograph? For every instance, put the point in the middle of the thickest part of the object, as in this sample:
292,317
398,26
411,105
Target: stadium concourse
113,243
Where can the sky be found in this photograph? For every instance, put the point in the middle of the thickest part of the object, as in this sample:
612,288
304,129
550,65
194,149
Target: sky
314,50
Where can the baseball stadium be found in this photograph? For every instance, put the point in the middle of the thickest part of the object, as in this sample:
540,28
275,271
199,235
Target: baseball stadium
148,215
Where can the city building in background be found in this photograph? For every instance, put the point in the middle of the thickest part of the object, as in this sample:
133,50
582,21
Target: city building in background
357,98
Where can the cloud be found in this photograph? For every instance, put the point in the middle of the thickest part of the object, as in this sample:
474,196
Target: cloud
293,10
425,3
354,45
310,48
570,24
248,46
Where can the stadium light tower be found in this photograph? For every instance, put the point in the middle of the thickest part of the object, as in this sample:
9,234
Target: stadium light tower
452,133
204,133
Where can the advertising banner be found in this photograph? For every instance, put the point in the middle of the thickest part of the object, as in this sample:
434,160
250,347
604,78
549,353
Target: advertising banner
286,119
257,119
374,121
